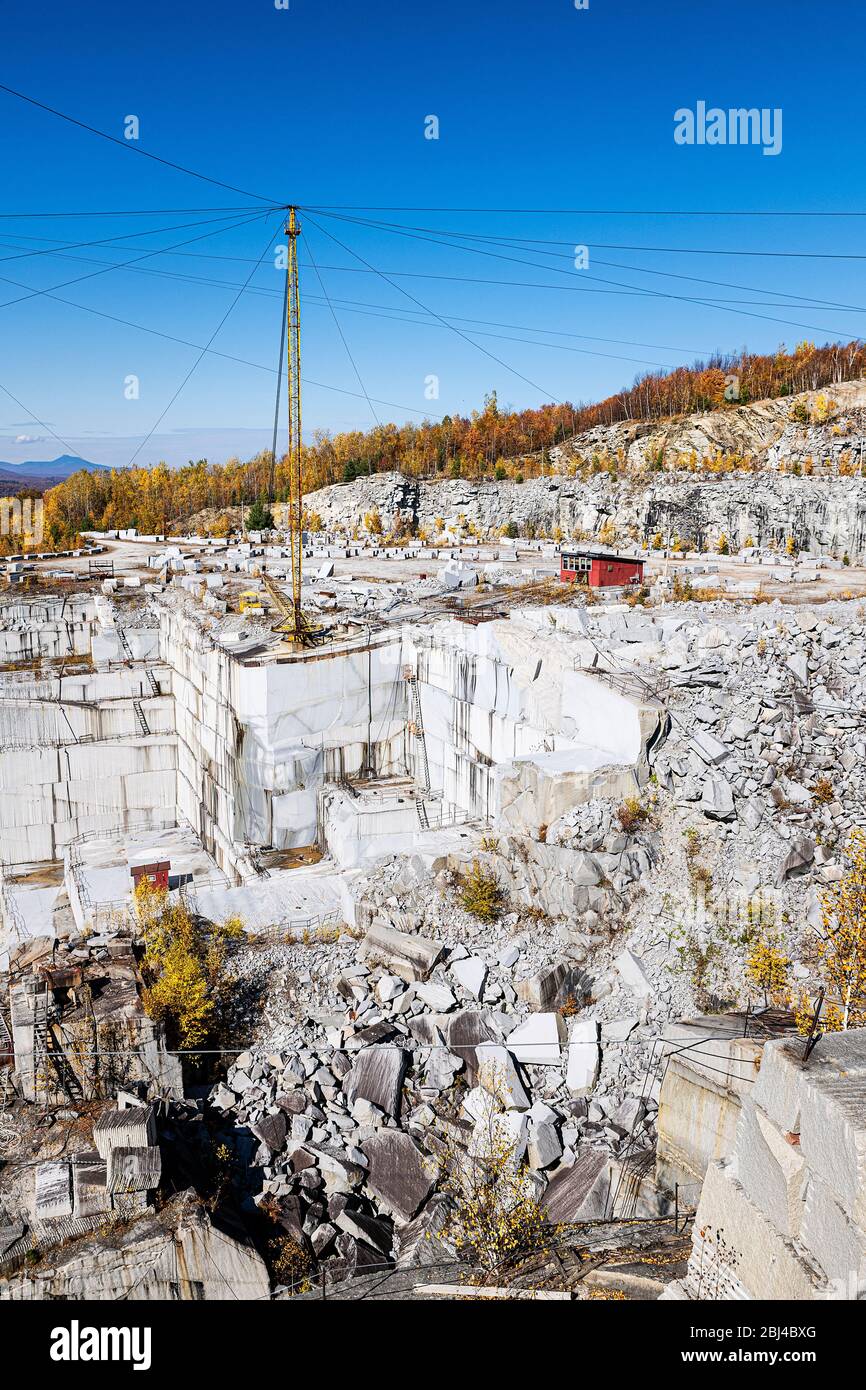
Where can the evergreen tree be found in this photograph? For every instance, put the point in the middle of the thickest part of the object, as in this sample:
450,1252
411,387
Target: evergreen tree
260,517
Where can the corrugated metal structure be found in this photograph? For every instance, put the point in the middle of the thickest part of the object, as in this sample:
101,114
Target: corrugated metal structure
134,1170
132,1128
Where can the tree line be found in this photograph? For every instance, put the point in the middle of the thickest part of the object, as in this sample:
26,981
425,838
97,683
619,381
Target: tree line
489,443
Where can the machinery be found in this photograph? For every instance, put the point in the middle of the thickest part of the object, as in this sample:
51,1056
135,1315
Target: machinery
250,598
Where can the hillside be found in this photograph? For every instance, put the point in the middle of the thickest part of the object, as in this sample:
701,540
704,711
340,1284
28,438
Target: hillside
814,432
750,473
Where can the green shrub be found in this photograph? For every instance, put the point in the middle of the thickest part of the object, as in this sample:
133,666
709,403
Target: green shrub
480,894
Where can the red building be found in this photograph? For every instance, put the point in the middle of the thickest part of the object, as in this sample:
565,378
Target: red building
600,569
156,874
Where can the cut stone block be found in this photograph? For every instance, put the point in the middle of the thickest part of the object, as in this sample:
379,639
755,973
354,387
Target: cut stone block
581,1073
539,1040
835,1241
771,1169
760,1264
545,1145
409,956
833,1138
53,1191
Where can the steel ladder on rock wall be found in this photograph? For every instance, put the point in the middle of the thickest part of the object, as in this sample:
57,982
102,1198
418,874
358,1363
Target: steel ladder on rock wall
46,1050
127,652
417,725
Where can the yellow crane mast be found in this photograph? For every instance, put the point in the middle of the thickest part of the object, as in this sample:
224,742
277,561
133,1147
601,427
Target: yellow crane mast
295,627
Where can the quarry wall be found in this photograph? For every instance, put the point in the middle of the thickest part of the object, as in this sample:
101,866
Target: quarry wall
168,724
784,1215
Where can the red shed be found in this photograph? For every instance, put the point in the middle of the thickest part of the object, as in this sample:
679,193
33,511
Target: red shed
600,569
157,874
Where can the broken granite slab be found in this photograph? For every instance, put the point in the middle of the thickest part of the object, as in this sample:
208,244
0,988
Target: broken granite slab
399,1175
633,973
271,1130
717,798
538,1040
797,860
466,1030
409,956
552,986
377,1076
471,974
579,1192
498,1075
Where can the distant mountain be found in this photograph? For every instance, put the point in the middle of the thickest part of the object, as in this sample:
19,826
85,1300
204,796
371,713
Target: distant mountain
37,475
56,469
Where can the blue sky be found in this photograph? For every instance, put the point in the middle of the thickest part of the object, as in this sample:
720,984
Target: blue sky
539,106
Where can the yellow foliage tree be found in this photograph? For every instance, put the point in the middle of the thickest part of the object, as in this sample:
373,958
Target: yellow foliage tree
840,947
183,965
495,1218
767,967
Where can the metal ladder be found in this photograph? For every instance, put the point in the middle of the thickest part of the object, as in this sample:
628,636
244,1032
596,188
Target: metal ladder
46,1050
127,652
143,726
418,721
64,1071
124,644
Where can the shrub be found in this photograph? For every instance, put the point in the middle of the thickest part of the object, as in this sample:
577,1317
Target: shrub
839,946
495,1219
632,814
822,792
480,893
290,1263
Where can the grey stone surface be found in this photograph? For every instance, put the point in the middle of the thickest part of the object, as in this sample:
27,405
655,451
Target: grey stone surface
399,1174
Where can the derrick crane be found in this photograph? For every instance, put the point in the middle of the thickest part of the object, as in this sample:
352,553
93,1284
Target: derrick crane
295,627
282,604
